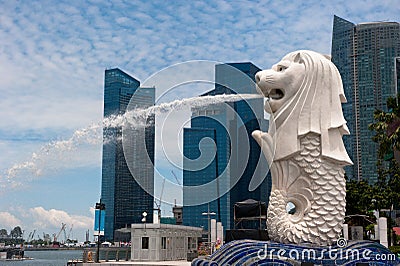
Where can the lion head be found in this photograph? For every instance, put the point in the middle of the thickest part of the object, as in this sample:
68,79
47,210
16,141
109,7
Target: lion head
281,82
304,94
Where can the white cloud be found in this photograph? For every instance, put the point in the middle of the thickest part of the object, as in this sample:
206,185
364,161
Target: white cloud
92,210
53,218
59,51
45,220
7,220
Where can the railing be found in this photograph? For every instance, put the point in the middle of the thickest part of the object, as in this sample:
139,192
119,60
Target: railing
107,254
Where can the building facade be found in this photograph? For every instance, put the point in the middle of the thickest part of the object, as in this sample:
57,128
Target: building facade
397,72
365,57
124,198
225,130
163,242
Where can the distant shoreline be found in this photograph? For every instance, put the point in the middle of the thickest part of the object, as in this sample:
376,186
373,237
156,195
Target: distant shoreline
69,248
53,249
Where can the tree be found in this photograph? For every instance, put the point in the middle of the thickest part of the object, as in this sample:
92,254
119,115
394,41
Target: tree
387,128
386,191
358,197
16,232
3,233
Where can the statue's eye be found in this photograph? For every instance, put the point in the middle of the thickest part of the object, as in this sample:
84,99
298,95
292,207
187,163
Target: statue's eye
281,68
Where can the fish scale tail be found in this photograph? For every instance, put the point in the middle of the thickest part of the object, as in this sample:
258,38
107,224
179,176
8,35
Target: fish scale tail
320,219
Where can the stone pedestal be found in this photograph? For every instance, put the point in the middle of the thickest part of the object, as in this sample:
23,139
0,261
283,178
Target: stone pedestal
376,228
346,231
357,232
383,239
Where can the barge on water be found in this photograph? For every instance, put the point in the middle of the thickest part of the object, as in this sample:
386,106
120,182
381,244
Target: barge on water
11,253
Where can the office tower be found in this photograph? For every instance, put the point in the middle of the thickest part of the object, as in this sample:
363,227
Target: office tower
365,57
397,73
229,127
125,200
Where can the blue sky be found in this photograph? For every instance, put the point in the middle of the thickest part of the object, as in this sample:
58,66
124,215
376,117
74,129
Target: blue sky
52,60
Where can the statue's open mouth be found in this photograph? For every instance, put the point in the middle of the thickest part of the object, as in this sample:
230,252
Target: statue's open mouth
276,94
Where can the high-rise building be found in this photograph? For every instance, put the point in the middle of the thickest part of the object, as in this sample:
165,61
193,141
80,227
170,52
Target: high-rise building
397,73
228,127
124,198
365,57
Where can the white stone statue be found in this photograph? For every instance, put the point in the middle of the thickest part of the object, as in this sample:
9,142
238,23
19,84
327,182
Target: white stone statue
305,148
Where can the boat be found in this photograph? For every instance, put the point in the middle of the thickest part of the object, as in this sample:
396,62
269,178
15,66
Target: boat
12,253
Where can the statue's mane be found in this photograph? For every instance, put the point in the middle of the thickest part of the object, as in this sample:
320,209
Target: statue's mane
316,107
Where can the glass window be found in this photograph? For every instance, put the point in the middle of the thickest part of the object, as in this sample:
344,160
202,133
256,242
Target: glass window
145,242
163,243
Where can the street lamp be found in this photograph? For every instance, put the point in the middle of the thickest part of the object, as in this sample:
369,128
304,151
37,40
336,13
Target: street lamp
376,209
144,220
101,207
208,213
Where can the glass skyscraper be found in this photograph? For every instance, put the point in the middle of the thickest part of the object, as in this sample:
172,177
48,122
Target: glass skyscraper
365,57
125,200
397,66
229,127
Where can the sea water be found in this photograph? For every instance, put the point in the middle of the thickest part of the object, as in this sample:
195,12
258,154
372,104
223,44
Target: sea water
46,258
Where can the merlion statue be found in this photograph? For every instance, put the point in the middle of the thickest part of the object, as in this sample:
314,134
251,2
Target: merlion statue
305,148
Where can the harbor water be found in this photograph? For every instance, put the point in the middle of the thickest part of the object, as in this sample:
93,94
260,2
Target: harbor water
46,258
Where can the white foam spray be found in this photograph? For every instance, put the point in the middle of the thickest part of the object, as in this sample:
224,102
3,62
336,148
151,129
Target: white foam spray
92,134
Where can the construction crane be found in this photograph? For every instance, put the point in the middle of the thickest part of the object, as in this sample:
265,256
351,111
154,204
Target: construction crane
65,235
31,235
46,237
70,232
176,178
159,203
56,236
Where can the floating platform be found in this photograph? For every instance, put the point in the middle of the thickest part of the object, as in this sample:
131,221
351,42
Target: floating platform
252,252
11,253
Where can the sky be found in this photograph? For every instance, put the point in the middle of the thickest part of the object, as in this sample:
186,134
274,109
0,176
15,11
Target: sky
52,60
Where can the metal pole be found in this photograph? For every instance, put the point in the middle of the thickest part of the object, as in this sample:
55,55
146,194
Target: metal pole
144,220
209,228
98,239
208,213
99,206
217,177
